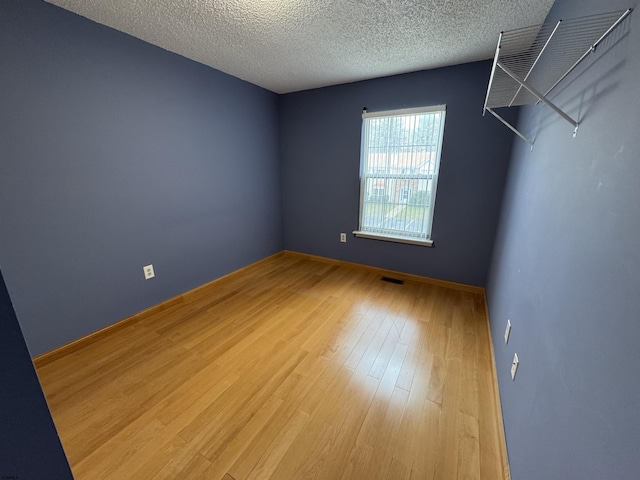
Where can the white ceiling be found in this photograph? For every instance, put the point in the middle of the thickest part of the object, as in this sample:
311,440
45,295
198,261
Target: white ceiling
290,45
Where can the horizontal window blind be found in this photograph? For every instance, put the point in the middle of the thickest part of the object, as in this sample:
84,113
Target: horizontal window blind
400,160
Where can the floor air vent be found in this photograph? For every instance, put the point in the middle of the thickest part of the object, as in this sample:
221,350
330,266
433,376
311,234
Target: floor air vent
392,280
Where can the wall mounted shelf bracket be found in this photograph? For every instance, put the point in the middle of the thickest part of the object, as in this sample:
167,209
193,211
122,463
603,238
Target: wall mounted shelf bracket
532,60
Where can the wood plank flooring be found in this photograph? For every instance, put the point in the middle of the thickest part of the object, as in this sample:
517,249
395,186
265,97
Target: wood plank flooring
295,369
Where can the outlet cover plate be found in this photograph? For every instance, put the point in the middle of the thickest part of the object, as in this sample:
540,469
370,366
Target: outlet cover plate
514,366
343,237
148,272
507,331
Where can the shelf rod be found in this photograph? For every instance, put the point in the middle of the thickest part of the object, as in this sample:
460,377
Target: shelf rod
510,127
591,48
540,96
536,61
493,71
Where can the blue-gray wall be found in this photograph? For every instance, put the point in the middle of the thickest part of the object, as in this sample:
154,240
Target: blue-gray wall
115,154
566,271
320,158
29,443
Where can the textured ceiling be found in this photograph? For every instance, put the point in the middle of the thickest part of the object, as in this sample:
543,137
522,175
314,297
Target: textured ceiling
291,45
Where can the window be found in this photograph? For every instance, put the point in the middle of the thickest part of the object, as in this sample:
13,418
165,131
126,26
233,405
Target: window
399,163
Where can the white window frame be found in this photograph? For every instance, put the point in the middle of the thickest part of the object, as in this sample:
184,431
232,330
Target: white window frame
379,232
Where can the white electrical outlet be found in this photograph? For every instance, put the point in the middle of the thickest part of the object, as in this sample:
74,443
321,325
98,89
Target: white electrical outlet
514,366
148,272
343,237
507,331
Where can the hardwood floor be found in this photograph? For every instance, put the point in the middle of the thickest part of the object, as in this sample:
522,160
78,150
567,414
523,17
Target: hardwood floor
294,369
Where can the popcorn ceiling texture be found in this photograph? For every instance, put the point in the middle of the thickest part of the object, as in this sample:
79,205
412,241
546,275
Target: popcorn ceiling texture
291,45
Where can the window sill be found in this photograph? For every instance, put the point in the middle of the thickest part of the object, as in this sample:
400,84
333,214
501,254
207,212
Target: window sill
392,238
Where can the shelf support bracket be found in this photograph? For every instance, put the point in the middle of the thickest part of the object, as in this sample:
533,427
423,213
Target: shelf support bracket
510,127
541,97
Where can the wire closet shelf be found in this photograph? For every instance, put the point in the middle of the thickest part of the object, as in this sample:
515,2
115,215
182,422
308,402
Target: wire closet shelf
530,62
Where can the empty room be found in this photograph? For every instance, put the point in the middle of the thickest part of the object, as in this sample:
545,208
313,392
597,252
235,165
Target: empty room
292,239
